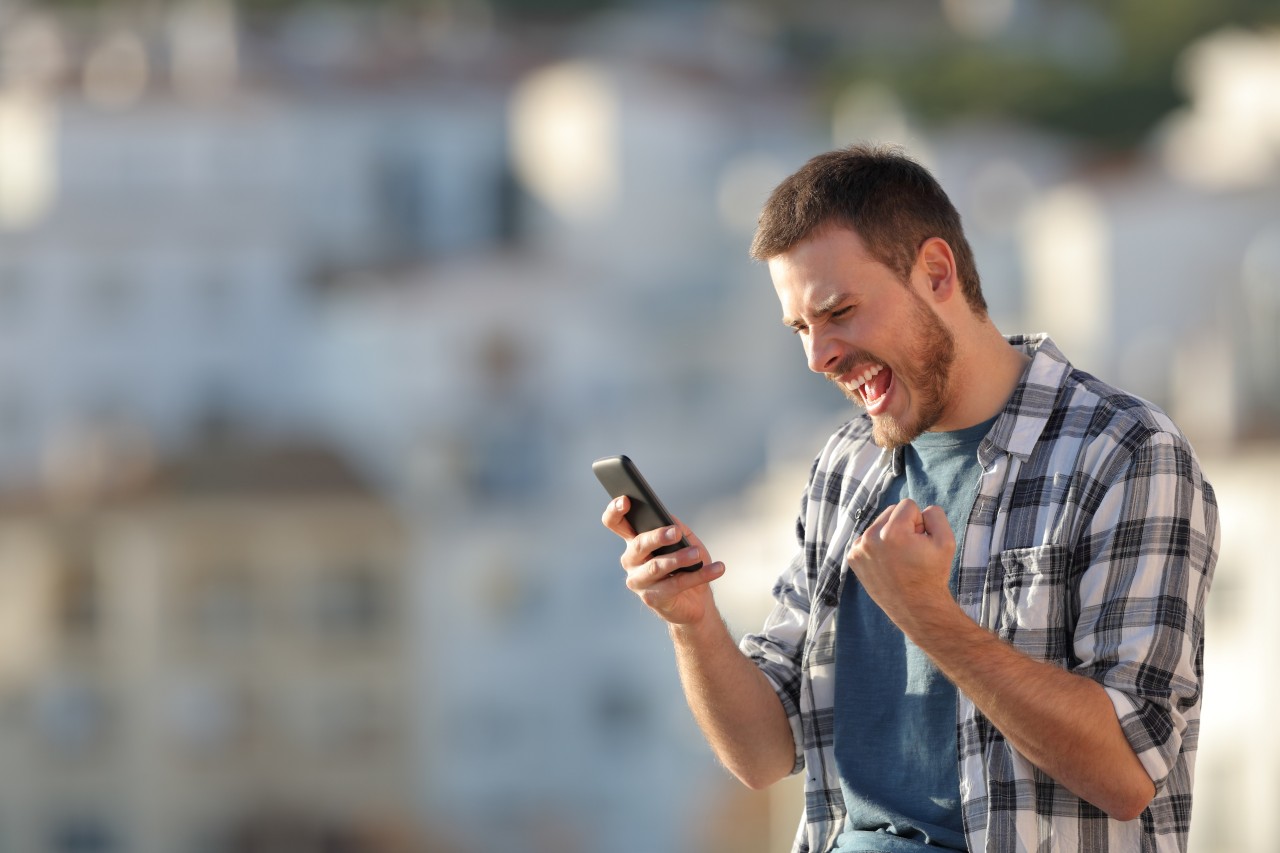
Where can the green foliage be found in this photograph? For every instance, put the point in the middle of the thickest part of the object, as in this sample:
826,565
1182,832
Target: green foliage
548,8
1114,108
1111,98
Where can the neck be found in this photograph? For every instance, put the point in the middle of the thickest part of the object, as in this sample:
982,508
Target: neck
983,376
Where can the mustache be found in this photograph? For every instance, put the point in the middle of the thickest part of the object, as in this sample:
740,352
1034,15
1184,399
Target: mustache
849,361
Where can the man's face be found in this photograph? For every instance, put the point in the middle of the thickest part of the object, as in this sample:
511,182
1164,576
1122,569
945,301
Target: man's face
877,339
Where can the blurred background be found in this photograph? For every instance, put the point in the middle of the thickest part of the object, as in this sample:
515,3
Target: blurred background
313,316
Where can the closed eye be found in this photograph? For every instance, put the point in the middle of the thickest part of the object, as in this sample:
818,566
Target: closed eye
839,314
799,327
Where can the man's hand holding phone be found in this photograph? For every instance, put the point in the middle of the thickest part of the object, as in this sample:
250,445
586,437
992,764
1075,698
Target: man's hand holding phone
667,566
679,597
732,700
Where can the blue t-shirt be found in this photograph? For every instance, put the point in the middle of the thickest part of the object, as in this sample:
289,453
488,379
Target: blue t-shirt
895,721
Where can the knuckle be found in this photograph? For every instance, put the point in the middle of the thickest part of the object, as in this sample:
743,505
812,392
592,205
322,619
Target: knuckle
632,556
657,568
652,539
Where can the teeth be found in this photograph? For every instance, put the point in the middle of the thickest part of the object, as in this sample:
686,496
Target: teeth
868,375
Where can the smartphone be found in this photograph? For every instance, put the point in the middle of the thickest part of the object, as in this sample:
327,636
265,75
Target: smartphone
620,476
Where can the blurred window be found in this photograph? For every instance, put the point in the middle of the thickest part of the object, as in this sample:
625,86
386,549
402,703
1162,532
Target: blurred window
220,606
82,834
78,601
352,603
71,713
343,719
507,441
507,453
399,183
512,205
208,715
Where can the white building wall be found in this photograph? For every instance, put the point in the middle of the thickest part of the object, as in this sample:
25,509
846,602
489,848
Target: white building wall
172,278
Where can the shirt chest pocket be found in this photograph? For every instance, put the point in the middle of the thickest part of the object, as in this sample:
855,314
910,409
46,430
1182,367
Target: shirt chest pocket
1029,600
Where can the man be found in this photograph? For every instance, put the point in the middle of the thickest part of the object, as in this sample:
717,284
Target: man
1016,666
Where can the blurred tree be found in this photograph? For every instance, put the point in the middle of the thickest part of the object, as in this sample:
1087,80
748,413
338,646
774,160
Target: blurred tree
548,8
1103,71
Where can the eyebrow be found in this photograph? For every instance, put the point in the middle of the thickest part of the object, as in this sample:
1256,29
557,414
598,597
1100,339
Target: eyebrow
822,309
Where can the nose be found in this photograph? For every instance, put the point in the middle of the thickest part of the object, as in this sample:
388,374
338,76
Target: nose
824,351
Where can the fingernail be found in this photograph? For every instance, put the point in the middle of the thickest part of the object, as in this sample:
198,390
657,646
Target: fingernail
672,534
618,504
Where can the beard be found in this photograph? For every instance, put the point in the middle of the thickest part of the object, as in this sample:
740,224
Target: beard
927,373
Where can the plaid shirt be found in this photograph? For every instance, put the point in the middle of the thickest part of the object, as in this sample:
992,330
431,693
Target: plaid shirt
1091,545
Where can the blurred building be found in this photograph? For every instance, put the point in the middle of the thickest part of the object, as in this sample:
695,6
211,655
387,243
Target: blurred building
218,650
294,240
170,211
1167,290
173,279
483,386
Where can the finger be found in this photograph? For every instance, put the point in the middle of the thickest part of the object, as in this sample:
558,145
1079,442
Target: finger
615,517
664,594
655,593
659,568
664,565
682,581
906,510
937,526
903,517
641,546
867,539
880,521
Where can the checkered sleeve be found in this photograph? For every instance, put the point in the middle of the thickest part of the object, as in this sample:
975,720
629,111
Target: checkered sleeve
1146,558
778,648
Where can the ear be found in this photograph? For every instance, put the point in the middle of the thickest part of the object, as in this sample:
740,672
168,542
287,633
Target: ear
939,265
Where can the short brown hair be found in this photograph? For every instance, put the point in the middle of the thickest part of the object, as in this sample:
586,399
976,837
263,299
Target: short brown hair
888,199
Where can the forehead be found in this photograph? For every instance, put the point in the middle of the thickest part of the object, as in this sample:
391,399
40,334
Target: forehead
822,269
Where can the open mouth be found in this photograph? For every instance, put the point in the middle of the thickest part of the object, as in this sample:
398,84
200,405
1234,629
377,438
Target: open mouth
873,385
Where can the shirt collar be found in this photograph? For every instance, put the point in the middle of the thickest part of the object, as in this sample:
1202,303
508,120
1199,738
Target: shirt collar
1019,425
